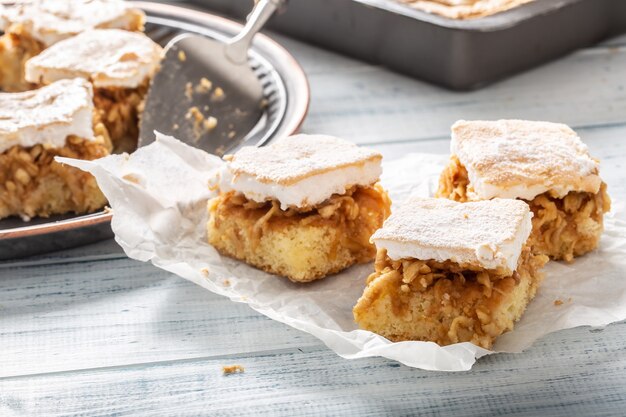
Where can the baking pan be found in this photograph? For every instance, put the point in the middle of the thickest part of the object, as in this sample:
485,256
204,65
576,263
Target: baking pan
286,89
457,54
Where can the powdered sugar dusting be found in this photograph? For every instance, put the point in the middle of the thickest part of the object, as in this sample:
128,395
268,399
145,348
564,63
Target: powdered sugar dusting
107,57
294,158
488,233
50,21
47,115
522,159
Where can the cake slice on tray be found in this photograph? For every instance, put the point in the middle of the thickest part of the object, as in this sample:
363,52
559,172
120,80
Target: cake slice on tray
30,27
450,272
36,126
119,64
303,207
544,164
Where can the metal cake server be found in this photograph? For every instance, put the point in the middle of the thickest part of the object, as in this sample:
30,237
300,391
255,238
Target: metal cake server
205,93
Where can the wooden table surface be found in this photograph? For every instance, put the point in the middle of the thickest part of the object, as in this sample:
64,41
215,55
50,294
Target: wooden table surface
91,332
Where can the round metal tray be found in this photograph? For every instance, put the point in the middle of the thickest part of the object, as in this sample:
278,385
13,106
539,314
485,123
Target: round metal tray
286,89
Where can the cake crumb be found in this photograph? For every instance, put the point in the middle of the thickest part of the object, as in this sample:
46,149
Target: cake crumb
227,283
182,57
131,178
220,150
558,302
189,91
232,369
204,86
210,124
205,271
201,124
218,94
231,134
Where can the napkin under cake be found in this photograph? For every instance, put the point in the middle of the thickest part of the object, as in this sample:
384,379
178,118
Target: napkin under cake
544,164
36,126
303,207
32,26
451,272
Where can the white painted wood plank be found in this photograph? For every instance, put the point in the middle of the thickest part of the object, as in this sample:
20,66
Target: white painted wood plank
619,40
109,313
371,105
105,250
577,372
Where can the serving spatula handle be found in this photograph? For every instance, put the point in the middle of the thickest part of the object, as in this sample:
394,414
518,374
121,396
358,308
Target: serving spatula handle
236,50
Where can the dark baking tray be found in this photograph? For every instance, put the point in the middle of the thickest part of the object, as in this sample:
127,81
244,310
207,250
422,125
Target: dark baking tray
458,54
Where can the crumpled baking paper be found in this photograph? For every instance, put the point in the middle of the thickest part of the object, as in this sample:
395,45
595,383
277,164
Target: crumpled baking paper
159,194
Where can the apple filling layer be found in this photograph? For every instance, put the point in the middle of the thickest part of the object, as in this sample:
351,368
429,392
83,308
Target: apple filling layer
16,48
302,244
445,302
120,110
563,228
33,184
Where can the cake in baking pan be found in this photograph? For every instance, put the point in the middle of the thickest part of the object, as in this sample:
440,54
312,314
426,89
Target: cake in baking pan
464,9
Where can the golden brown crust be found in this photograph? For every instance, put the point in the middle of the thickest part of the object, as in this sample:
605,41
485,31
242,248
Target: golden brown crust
301,245
441,302
563,228
33,184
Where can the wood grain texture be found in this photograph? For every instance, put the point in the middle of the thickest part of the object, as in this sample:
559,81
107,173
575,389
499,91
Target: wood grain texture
557,377
77,315
90,332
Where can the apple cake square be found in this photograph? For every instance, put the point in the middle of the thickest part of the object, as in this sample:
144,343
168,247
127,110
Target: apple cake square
119,64
303,207
30,27
450,272
546,165
35,127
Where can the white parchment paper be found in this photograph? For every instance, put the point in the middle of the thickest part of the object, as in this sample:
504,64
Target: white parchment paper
159,194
